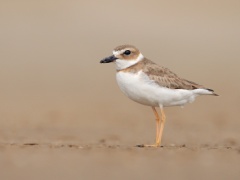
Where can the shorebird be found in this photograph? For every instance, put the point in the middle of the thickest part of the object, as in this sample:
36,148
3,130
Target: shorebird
153,85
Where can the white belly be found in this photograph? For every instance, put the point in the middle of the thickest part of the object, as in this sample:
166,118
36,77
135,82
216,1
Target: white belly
141,89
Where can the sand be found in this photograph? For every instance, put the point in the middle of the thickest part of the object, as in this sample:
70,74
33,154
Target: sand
100,161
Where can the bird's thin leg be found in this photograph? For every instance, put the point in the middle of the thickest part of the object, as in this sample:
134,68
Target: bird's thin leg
158,123
163,118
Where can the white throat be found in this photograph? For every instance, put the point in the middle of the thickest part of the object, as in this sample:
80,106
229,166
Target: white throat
123,64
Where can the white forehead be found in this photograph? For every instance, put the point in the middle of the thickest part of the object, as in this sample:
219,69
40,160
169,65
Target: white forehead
115,53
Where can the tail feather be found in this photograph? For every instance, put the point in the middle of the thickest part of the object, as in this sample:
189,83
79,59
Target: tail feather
205,92
213,93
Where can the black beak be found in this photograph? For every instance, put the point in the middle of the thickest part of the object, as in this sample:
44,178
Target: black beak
108,59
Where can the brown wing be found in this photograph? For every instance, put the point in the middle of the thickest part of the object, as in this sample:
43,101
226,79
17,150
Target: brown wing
166,78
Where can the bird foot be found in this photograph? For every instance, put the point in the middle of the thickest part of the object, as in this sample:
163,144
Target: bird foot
152,145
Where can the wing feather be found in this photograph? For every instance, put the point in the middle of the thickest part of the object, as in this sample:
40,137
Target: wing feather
166,78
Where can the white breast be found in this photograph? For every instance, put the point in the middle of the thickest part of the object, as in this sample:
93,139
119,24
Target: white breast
139,88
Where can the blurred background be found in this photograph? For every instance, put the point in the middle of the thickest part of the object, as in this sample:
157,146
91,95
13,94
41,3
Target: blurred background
54,90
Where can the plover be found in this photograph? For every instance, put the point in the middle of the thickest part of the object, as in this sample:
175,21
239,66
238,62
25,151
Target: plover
153,85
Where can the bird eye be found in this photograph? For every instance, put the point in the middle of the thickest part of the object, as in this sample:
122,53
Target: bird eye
127,52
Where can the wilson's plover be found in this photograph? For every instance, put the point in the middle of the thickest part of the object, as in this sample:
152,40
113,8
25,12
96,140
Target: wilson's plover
149,84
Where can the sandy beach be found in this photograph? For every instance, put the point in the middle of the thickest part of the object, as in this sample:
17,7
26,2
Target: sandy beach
62,115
